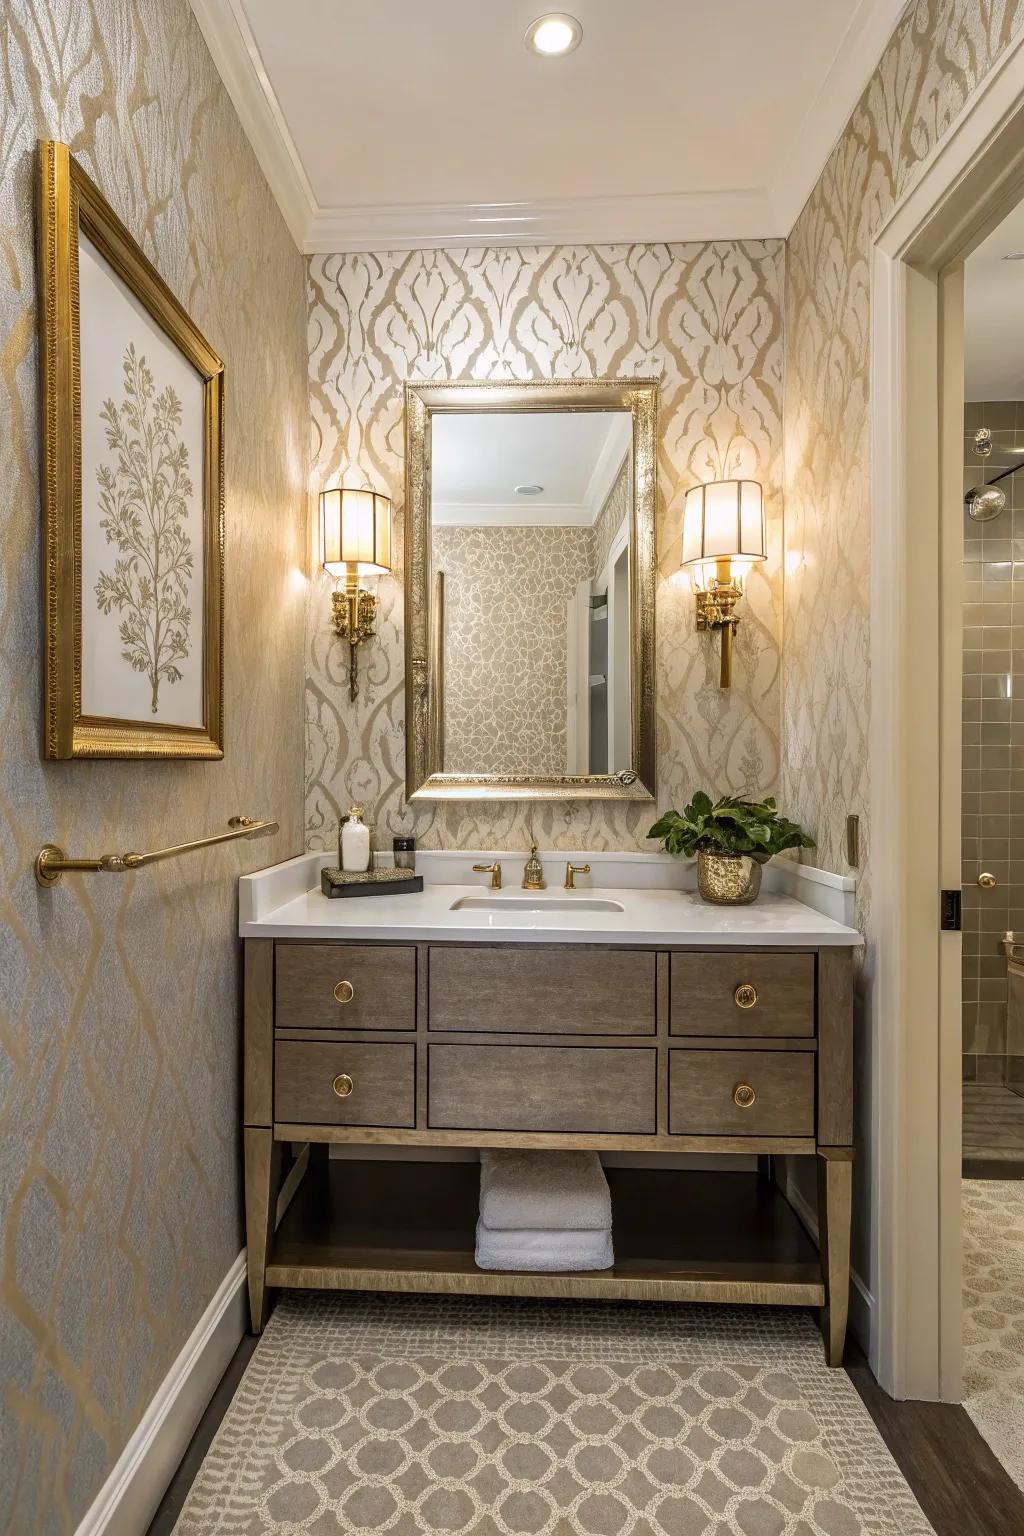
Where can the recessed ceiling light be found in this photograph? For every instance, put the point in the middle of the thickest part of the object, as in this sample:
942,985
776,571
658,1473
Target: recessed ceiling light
529,490
554,34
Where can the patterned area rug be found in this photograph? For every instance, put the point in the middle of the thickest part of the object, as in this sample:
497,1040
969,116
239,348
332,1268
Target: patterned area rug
994,1316
489,1417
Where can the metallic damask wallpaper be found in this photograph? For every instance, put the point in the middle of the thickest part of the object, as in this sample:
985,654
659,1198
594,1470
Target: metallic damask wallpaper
507,644
119,1033
706,318
937,55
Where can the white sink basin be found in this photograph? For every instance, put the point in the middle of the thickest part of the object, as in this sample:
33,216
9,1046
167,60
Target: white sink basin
538,903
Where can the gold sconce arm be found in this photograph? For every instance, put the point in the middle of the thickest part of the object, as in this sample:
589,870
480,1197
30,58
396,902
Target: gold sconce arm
716,610
354,614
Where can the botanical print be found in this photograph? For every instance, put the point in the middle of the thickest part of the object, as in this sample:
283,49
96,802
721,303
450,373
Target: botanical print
145,502
143,552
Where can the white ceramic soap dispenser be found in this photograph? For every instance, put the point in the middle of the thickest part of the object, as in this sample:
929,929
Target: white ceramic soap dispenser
355,841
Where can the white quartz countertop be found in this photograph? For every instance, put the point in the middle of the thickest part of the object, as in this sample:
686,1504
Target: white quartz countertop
648,916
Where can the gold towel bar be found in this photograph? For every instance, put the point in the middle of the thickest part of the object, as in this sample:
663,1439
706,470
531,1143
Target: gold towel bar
52,862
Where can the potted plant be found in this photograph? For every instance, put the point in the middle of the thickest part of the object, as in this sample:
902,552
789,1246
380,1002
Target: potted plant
731,839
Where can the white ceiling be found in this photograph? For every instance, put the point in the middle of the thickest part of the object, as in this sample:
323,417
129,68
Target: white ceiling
994,314
405,123
476,462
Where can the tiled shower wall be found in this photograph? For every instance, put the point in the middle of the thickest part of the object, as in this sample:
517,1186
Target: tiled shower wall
993,738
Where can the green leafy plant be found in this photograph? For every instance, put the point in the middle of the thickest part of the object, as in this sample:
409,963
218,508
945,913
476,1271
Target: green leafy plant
751,827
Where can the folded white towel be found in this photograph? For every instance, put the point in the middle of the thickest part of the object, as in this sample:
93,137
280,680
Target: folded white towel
531,1249
549,1191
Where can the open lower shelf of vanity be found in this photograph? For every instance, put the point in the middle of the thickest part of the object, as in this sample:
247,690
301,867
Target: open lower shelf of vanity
408,1226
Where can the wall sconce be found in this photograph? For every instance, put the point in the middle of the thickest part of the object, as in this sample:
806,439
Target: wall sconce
355,540
723,534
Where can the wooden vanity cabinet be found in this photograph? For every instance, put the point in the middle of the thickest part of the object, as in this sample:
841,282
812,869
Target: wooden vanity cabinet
614,1048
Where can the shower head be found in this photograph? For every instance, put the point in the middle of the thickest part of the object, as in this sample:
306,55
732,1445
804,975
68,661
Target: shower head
985,502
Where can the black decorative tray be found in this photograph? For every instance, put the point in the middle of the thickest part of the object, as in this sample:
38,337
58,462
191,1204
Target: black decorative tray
369,882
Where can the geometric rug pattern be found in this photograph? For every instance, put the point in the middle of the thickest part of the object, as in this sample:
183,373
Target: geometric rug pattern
993,1319
497,1417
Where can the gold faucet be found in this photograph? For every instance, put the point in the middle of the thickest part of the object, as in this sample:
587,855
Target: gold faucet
533,873
571,871
494,870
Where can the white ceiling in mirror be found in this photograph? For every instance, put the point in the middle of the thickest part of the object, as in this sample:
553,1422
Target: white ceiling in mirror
406,125
994,313
479,459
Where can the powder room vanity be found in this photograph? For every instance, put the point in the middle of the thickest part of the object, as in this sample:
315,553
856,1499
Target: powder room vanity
616,1018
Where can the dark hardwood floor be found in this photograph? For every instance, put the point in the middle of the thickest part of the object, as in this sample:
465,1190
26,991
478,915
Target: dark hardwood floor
957,1481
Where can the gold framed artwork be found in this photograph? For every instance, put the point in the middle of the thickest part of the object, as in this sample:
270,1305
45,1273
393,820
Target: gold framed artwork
133,491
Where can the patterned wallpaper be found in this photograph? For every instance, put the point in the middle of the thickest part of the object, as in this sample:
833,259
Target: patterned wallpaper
704,317
506,644
940,50
119,1031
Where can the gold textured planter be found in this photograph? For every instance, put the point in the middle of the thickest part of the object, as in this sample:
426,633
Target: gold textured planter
728,879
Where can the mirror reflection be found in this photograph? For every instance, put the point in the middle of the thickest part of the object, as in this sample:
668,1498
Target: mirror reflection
530,591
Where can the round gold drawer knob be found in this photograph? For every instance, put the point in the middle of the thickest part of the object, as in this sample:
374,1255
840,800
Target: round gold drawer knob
343,1085
344,992
743,1096
745,995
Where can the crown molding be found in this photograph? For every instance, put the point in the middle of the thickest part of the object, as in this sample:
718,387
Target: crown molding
239,63
856,59
745,213
492,514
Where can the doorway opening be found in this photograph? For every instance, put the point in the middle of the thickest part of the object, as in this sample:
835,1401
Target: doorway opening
992,838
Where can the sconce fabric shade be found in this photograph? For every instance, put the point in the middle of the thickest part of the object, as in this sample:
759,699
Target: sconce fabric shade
723,521
355,532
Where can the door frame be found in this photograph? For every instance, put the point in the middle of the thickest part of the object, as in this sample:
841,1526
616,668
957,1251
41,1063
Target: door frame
913,971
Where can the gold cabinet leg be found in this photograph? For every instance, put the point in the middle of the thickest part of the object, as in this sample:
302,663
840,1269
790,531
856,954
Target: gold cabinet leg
262,1178
835,1213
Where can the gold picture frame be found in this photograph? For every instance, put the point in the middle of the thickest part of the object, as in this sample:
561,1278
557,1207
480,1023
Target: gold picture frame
143,606
426,778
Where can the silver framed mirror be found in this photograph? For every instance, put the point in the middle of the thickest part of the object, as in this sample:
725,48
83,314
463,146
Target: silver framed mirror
529,590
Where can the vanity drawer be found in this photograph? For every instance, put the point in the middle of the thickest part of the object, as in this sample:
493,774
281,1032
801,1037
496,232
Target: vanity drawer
726,992
345,986
382,1078
532,989
542,1088
709,1093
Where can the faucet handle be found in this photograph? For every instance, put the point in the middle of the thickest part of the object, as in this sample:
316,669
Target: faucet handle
494,870
571,871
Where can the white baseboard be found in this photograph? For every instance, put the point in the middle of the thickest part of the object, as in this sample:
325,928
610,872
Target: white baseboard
129,1498
862,1302
131,1495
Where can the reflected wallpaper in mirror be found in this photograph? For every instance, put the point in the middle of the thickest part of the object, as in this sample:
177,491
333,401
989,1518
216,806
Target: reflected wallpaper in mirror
530,583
